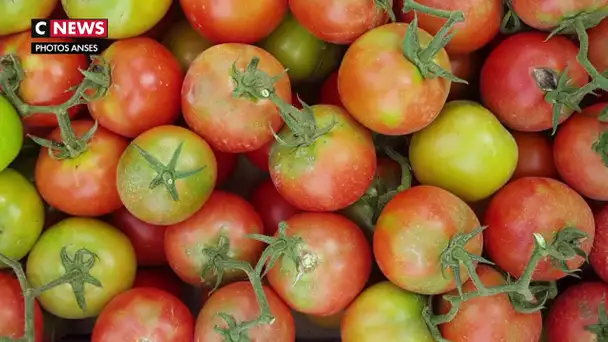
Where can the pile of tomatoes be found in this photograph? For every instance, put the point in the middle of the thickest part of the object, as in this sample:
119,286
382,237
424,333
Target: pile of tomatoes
403,170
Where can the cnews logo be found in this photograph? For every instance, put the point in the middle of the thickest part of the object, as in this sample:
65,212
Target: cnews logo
69,28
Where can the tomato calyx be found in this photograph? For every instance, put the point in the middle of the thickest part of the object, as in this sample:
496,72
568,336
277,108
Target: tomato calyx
511,23
600,329
253,83
385,5
600,146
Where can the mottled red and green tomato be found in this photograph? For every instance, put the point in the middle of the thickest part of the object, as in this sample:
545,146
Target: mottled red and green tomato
336,263
534,205
489,318
331,173
260,157
598,46
114,267
17,15
271,206
170,193
385,312
162,278
509,86
466,67
465,151
329,91
48,79
535,155
375,75
414,229
226,165
12,310
231,124
146,80
598,258
546,15
185,43
147,239
11,133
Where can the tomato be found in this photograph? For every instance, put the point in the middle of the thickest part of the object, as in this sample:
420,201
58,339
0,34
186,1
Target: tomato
271,206
234,21
48,79
160,278
338,264
224,214
374,75
598,46
598,258
11,133
12,311
226,165
578,164
260,157
384,312
165,194
534,205
17,15
147,239
130,314
114,267
508,86
329,91
465,67
173,14
546,15
320,177
231,124
327,322
535,153
185,43
238,300
153,78
574,310
465,151
125,18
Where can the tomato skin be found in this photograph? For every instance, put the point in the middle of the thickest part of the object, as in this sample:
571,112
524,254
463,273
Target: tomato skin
545,15
535,155
598,46
271,206
161,278
173,14
598,258
508,88
329,91
260,157
343,266
153,77
226,165
128,317
147,239
466,67
374,74
313,178
327,322
12,311
11,133
18,15
185,43
577,163
534,205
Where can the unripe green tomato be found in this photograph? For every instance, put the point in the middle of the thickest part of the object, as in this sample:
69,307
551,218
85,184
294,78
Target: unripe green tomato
11,133
17,15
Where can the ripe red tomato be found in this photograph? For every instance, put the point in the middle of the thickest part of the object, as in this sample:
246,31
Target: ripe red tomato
337,263
374,75
162,278
147,239
535,155
329,91
508,86
598,46
260,157
409,240
226,165
598,258
545,15
12,312
490,318
467,68
234,21
85,185
534,205
146,81
271,206
144,314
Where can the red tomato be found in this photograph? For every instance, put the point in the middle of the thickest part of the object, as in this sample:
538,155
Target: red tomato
85,185
337,259
374,75
412,232
146,81
261,156
546,15
599,253
226,165
490,318
508,86
598,46
147,239
160,278
271,206
578,164
239,301
234,21
12,311
534,205
144,314
329,91
466,67
535,156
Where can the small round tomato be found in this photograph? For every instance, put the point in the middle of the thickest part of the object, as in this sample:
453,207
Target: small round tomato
535,155
546,15
12,310
146,80
161,278
329,91
534,205
260,157
384,312
598,258
465,67
166,175
114,265
231,124
465,151
598,46
147,239
374,75
226,165
185,43
17,15
509,87
271,206
11,133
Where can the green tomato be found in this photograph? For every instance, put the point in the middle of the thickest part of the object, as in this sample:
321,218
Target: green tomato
185,43
11,133
465,150
17,15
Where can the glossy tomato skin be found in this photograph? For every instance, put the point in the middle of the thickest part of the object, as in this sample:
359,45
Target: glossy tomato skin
226,165
185,43
320,177
374,74
598,46
598,258
508,87
467,67
329,91
162,278
115,268
11,133
128,317
147,239
546,15
153,78
231,124
18,15
260,157
535,155
578,164
534,205
271,206
12,311
340,268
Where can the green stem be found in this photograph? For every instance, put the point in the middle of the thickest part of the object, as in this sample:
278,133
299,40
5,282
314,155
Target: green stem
583,52
511,23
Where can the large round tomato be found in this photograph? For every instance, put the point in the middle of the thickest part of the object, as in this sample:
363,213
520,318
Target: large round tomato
185,43
534,205
17,15
465,150
509,86
271,206
146,80
489,318
114,266
329,91
546,15
598,46
161,278
161,192
598,258
384,312
12,310
535,155
408,240
147,239
320,177
260,157
231,123
467,67
11,133
375,75
336,264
